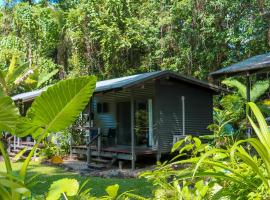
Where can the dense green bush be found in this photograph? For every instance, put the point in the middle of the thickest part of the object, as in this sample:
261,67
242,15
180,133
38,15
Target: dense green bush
240,171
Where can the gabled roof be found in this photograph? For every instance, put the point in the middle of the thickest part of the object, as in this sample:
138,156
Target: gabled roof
255,64
129,81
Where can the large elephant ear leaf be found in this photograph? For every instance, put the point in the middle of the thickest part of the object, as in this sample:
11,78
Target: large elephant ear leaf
9,114
59,105
65,186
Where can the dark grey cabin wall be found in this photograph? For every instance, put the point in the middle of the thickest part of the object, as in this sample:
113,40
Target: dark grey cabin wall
109,120
168,108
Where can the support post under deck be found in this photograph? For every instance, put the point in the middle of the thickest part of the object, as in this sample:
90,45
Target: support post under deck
133,160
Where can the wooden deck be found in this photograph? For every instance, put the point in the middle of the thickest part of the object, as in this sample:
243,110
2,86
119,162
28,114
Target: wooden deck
120,152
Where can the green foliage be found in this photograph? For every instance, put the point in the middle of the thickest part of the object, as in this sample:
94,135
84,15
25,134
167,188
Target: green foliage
141,127
114,38
21,75
13,76
69,188
63,101
223,132
258,89
235,172
50,150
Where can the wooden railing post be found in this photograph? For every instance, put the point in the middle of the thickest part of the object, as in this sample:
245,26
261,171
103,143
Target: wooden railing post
35,152
70,146
14,143
99,142
9,144
18,141
89,148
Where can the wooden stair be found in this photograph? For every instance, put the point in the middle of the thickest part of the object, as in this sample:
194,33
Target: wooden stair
100,163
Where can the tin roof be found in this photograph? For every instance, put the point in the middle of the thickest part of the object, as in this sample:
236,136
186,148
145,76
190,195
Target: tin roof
127,81
255,64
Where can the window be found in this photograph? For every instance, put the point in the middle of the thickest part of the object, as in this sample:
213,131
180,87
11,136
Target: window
102,107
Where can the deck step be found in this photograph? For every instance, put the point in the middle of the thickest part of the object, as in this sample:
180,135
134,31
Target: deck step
101,160
17,150
97,166
21,147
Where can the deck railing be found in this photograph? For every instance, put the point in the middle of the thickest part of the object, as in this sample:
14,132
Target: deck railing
96,138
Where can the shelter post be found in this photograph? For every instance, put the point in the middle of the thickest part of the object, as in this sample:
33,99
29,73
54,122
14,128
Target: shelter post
133,155
248,87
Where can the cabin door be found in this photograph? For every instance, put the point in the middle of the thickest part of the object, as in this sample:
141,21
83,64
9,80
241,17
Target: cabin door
123,123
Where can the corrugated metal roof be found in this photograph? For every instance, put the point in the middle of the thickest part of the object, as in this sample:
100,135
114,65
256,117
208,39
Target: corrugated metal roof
127,81
27,96
251,65
117,83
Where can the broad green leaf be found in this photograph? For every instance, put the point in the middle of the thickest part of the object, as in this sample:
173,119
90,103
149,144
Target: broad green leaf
262,132
26,126
60,104
55,109
67,186
8,119
8,114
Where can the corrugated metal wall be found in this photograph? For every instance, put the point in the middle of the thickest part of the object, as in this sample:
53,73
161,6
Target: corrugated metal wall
167,109
198,110
109,120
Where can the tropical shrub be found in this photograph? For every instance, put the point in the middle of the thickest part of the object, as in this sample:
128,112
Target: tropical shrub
57,145
229,111
52,111
237,172
20,76
223,132
78,136
257,92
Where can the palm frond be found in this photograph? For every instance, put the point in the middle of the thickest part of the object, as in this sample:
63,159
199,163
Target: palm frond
230,82
258,89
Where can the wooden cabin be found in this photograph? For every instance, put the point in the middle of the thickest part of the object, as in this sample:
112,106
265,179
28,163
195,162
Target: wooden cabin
143,114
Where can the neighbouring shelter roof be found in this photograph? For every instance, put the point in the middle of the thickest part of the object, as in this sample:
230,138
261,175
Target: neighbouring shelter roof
255,64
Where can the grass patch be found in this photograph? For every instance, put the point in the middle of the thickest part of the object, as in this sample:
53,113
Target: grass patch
47,174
